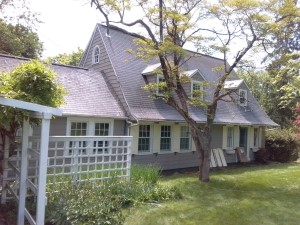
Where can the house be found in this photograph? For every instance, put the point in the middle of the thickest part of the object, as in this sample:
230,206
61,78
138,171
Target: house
105,97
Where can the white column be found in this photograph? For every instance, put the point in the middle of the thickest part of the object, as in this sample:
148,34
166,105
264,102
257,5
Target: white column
23,172
5,169
42,178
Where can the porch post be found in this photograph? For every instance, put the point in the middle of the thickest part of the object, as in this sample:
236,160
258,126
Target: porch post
42,176
23,173
4,169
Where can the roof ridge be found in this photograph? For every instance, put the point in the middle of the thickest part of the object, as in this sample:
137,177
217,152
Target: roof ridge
138,36
27,59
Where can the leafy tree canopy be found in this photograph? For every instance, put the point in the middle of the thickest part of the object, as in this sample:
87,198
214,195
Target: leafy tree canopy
32,82
19,40
72,59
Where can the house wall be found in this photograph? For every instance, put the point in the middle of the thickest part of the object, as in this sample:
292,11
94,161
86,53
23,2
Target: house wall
176,158
59,125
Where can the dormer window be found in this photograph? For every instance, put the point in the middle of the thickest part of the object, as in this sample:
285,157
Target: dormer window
196,89
242,97
160,90
96,55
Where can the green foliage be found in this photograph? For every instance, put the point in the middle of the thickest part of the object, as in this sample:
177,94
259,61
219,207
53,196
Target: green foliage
284,89
83,204
32,82
102,203
145,173
19,40
282,145
270,193
72,59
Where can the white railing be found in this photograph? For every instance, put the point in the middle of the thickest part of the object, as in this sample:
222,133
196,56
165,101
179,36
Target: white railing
75,159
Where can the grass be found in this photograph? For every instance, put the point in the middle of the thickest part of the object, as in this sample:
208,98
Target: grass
264,195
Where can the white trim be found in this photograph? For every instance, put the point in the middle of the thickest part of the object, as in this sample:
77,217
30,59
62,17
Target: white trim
192,87
171,138
158,76
30,106
245,97
150,139
189,136
87,49
90,124
94,55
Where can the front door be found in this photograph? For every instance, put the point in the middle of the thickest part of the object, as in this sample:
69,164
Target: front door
243,137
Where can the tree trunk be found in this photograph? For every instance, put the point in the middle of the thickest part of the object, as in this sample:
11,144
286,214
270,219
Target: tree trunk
202,143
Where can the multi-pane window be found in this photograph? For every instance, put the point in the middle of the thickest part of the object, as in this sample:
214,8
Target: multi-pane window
243,97
78,129
160,90
144,138
165,138
184,138
255,137
230,133
101,129
96,54
197,89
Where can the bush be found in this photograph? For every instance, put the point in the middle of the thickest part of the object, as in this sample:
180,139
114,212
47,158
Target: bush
282,145
145,173
102,202
83,204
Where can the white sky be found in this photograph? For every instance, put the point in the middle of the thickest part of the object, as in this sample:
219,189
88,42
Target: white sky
67,24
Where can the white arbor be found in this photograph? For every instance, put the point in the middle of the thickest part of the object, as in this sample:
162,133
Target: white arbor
45,114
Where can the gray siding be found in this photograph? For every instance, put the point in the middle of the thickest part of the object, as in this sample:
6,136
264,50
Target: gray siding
168,161
119,128
217,136
58,127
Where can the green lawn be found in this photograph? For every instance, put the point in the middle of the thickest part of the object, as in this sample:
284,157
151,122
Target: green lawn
256,195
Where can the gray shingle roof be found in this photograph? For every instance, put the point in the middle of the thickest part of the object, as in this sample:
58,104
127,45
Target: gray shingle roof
88,93
129,70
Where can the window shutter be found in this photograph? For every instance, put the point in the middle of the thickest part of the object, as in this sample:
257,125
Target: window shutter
224,137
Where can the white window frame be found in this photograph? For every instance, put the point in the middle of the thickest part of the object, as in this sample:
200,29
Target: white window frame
90,126
188,137
96,58
230,142
240,97
158,77
192,87
256,143
150,139
170,137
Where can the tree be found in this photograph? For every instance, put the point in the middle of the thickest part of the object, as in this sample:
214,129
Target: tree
19,40
260,84
169,25
72,59
18,12
32,82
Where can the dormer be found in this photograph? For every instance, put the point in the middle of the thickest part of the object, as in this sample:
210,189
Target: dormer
242,93
197,80
153,75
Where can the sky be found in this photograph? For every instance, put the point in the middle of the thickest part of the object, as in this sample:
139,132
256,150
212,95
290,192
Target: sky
67,24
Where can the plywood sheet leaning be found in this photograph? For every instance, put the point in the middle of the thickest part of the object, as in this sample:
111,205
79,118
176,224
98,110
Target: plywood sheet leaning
241,154
221,153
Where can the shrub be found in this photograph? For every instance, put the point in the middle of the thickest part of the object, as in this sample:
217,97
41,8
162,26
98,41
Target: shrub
282,145
101,202
83,204
145,173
